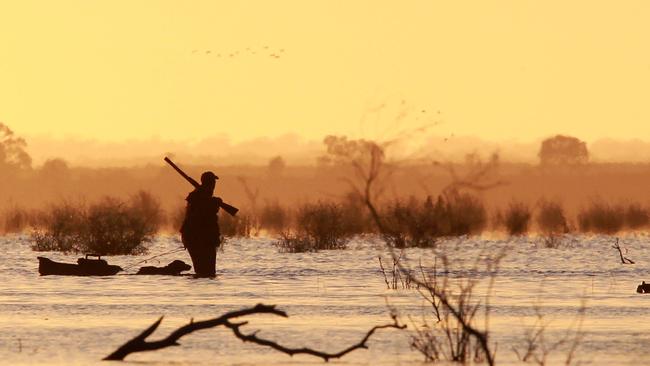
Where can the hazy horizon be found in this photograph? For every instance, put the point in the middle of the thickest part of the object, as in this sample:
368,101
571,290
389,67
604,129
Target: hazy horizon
296,150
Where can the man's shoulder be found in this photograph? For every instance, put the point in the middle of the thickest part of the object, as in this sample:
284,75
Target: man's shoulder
194,195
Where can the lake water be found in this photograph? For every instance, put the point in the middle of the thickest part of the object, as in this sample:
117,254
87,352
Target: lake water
332,297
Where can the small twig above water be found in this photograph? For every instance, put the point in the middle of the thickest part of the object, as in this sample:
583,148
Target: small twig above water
624,260
396,274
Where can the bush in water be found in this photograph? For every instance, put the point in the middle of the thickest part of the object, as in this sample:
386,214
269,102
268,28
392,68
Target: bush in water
108,227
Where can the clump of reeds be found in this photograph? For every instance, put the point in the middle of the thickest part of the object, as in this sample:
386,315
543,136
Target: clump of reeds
419,224
108,227
411,223
517,218
601,217
16,219
274,218
636,216
175,218
318,226
240,225
551,223
551,219
293,243
143,204
463,214
62,229
355,215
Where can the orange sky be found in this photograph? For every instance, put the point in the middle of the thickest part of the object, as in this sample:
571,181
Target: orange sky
117,70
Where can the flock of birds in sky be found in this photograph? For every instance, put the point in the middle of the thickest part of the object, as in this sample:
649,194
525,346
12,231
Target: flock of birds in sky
265,51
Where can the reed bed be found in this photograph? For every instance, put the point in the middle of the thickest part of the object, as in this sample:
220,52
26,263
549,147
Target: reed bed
113,225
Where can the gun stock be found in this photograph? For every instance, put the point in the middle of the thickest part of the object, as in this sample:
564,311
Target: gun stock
232,210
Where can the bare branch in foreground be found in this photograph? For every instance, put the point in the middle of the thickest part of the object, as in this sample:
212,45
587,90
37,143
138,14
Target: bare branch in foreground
624,260
140,344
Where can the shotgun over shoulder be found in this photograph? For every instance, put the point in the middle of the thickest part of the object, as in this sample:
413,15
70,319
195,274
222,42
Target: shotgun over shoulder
226,207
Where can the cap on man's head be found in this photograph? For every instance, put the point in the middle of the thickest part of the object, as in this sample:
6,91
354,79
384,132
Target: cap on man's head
208,177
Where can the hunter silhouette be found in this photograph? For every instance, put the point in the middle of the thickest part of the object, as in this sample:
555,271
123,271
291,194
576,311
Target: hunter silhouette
200,230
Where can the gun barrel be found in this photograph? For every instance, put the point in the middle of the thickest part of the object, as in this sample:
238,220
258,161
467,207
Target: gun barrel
232,210
182,173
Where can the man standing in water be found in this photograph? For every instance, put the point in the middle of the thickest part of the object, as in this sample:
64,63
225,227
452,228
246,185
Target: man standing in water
200,230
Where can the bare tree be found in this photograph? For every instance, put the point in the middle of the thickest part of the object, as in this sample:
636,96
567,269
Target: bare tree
140,343
367,161
478,175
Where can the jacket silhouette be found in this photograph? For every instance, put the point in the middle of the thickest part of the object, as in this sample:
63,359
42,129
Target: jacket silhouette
200,231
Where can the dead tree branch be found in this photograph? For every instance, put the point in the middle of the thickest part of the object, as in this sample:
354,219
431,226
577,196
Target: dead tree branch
624,260
140,344
252,337
367,160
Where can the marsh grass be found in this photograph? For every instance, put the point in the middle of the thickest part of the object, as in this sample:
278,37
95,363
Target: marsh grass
274,218
108,227
240,226
175,218
318,226
517,218
62,229
636,217
552,224
293,243
601,217
421,223
551,219
412,224
16,219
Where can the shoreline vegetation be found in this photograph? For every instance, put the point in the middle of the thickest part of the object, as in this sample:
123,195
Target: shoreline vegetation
309,208
114,226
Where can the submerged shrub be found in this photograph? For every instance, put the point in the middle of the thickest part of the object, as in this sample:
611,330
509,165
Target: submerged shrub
274,218
550,218
318,226
175,218
235,226
16,219
294,243
108,227
419,224
600,217
636,216
146,206
517,218
355,215
323,223
465,215
62,229
411,224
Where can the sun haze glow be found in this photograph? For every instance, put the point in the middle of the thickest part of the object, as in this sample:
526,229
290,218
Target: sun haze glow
183,70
